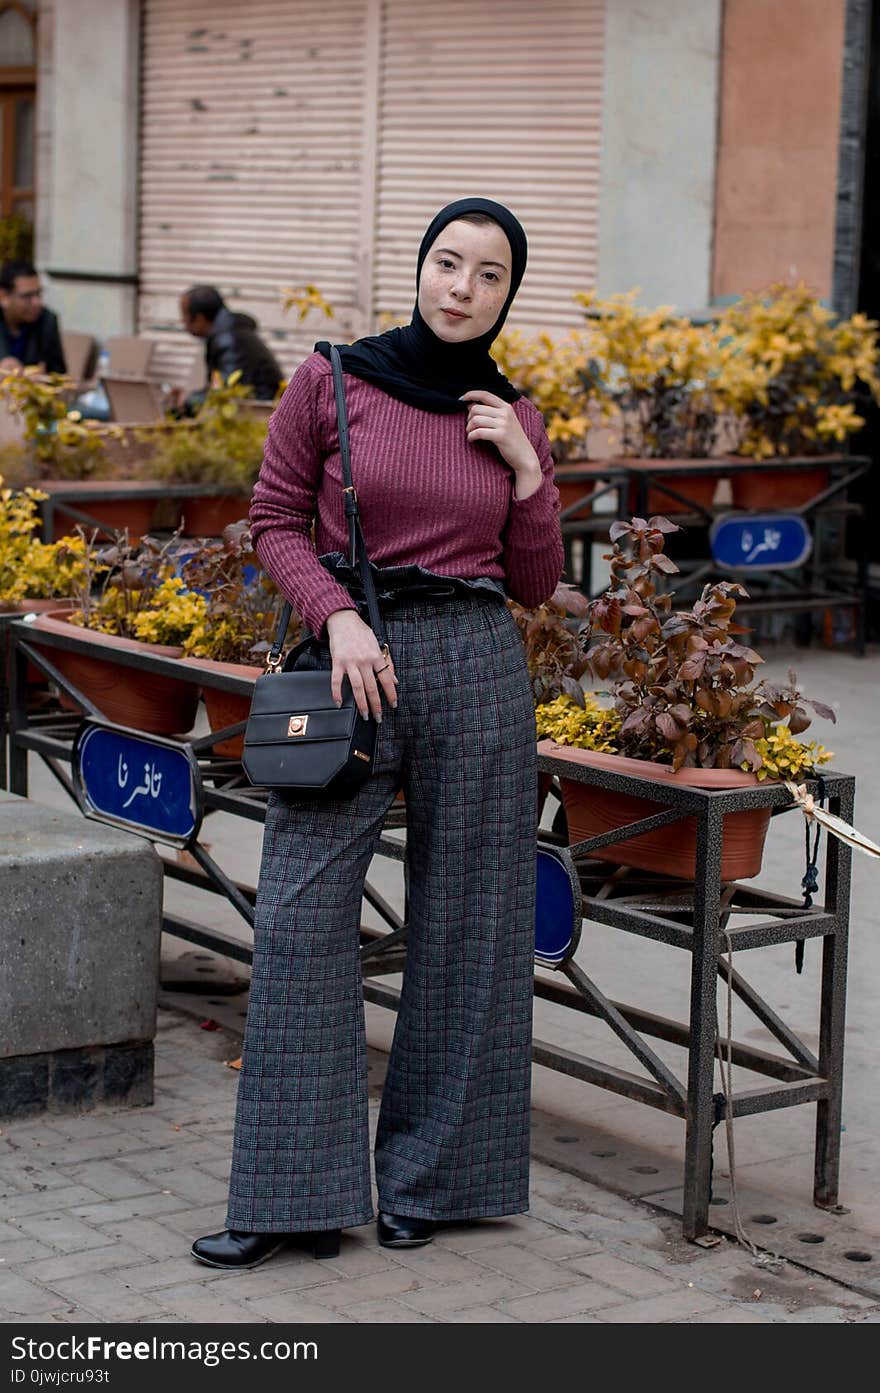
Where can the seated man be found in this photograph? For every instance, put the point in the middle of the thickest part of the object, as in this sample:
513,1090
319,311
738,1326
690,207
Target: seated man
29,334
232,344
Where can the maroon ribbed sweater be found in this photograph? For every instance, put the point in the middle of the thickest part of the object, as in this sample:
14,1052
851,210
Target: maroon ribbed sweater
426,496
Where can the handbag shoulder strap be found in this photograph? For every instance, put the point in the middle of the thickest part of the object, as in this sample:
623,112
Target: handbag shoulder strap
357,544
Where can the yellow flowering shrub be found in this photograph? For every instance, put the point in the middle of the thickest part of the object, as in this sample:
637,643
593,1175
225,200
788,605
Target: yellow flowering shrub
165,614
774,374
31,569
591,727
554,374
783,756
790,371
64,445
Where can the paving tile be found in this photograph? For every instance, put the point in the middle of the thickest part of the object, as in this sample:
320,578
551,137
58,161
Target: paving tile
147,1236
436,1265
22,1250
153,1274
626,1276
75,1264
22,1173
479,1315
290,1306
17,1206
284,1273
107,1296
582,1319
60,1230
730,1315
484,1291
73,1127
517,1261
669,1307
520,1228
19,1297
140,1207
191,1222
112,1181
203,1302
343,1294
389,1312
566,1301
358,1259
100,1148
564,1246
192,1183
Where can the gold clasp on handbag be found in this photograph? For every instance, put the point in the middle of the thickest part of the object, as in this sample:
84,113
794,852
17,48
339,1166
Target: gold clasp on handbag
297,725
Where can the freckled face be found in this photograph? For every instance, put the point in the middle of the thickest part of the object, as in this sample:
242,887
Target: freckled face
465,279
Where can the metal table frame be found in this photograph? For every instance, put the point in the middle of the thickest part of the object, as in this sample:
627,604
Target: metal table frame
811,587
690,916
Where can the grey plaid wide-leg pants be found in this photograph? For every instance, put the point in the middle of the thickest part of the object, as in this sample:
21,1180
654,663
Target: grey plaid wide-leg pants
453,1135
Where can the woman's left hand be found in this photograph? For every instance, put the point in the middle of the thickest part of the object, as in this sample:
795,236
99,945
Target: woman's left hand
494,420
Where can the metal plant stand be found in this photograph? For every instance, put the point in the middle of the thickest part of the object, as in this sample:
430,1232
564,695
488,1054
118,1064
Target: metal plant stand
701,918
697,917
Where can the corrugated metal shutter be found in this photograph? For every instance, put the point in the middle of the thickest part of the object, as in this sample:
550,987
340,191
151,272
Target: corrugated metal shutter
501,99
251,164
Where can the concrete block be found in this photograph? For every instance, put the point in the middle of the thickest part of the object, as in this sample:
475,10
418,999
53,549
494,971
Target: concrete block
79,942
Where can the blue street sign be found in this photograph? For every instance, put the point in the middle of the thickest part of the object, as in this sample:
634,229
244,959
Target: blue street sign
558,909
139,782
760,541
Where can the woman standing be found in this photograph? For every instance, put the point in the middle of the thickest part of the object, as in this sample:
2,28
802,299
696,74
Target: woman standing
458,506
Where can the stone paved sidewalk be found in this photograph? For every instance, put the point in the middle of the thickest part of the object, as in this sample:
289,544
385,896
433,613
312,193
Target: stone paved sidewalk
97,1213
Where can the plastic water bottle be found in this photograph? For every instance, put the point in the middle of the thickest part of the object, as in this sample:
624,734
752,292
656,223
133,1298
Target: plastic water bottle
94,404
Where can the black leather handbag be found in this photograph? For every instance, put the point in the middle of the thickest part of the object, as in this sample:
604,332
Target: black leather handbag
297,740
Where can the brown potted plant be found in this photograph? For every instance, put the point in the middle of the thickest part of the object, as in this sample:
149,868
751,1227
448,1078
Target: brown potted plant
682,705
236,627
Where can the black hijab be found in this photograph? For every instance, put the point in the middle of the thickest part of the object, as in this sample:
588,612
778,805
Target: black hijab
412,363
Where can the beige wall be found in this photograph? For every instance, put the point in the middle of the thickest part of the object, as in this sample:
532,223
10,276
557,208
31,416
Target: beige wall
87,175
778,134
659,115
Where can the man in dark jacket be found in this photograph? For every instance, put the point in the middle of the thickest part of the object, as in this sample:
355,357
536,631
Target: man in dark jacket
232,344
29,335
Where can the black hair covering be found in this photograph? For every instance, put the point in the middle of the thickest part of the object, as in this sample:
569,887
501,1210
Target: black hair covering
412,363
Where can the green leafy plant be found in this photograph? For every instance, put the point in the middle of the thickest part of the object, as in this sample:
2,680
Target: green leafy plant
222,445
62,444
680,681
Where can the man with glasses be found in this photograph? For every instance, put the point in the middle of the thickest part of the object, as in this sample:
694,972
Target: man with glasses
29,335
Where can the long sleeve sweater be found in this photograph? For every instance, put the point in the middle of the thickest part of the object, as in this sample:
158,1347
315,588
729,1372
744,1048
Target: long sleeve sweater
426,496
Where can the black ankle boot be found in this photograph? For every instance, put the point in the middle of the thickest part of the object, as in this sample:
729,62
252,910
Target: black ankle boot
235,1250
402,1231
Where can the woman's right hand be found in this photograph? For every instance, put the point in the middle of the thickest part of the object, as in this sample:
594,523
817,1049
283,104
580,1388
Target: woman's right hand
357,656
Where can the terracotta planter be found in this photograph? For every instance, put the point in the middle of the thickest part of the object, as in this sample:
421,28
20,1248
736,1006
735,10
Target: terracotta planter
131,513
34,677
669,850
127,696
226,708
698,488
777,488
207,517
